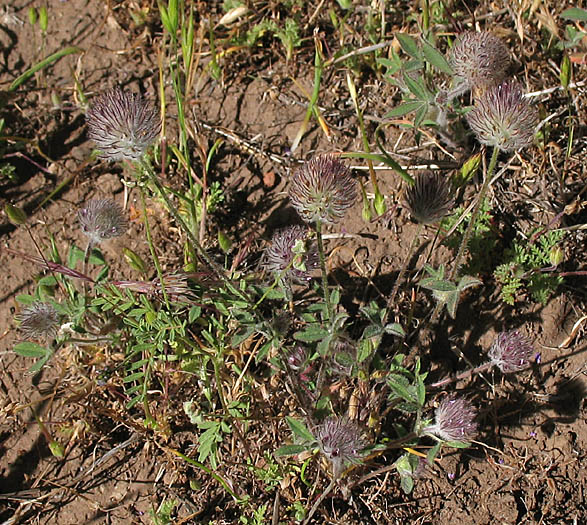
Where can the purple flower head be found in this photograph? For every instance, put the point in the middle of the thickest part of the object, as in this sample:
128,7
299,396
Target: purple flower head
503,118
122,125
511,351
101,220
39,321
297,358
340,441
322,190
291,254
454,420
479,60
430,198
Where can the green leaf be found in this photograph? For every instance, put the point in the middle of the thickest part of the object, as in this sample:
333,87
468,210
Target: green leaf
311,334
575,13
436,58
48,280
25,299
417,88
39,364
468,282
437,285
290,450
403,109
409,44
299,429
452,302
29,349
364,351
395,329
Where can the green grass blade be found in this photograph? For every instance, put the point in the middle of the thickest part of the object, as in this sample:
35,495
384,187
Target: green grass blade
43,64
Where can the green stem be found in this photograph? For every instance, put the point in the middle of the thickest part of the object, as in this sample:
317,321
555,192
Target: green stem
323,270
472,220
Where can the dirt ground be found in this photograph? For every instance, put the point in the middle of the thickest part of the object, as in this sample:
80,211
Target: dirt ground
528,465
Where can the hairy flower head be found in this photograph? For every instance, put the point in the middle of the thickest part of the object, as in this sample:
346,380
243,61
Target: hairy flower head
292,254
503,118
39,321
511,351
454,420
340,441
101,220
430,198
479,60
122,125
322,190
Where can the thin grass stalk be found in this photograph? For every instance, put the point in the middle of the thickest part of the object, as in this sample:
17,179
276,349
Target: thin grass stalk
199,248
379,201
323,270
152,247
404,267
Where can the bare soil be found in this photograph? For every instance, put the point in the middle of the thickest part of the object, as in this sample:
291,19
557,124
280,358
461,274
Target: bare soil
528,466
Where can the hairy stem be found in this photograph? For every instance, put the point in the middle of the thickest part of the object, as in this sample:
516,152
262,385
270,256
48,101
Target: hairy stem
323,270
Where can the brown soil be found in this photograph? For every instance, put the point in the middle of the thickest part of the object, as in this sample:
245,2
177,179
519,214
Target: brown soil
528,464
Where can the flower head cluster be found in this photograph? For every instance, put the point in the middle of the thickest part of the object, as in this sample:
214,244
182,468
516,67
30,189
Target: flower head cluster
454,420
511,351
503,118
480,60
322,190
122,125
101,220
39,321
290,253
340,441
430,198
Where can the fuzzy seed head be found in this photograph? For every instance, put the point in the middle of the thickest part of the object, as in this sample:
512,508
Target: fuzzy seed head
503,118
340,441
511,351
122,125
322,190
282,254
101,220
454,420
430,198
480,60
39,321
